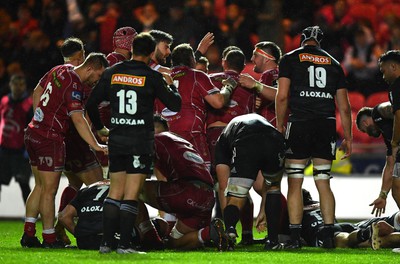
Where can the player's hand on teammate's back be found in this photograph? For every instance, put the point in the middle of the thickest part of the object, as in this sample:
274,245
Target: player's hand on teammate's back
230,83
247,81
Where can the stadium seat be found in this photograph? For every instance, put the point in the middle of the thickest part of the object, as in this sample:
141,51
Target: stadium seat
364,11
377,98
357,100
358,136
391,9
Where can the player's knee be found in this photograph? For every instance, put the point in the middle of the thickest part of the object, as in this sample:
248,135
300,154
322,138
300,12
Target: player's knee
295,170
322,172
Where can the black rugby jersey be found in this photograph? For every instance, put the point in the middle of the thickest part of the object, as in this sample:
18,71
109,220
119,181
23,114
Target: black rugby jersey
394,95
244,127
131,88
89,207
385,125
315,76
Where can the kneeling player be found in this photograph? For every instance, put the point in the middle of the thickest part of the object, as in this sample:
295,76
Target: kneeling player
187,193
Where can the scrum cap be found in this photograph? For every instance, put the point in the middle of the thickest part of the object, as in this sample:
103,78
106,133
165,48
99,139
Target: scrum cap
123,38
312,33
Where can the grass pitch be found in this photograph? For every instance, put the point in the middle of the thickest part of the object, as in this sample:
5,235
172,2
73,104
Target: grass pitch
11,252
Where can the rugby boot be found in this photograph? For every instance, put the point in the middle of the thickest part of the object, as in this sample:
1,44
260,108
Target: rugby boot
293,245
232,235
376,240
122,250
273,245
54,245
217,234
30,242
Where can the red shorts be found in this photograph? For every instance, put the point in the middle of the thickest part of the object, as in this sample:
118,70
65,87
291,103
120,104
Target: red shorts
199,142
79,156
191,204
45,153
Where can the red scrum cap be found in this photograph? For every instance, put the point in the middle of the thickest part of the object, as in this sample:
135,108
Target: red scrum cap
123,38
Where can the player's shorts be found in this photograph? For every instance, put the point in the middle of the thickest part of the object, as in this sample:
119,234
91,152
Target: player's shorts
199,142
132,164
311,139
212,138
45,153
15,164
391,220
191,202
89,242
79,156
259,151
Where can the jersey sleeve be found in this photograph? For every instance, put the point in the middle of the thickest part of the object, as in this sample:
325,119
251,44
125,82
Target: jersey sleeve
96,97
395,96
284,67
168,94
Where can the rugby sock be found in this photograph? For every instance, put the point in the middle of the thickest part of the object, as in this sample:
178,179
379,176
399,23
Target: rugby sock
246,218
49,235
30,226
128,213
284,217
272,211
328,230
364,234
231,216
204,234
295,232
68,194
110,220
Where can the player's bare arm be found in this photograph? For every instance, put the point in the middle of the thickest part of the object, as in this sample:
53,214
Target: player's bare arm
247,81
345,115
84,131
281,102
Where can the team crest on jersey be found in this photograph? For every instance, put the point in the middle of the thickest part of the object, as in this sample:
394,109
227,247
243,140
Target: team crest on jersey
191,156
76,95
126,79
39,115
317,59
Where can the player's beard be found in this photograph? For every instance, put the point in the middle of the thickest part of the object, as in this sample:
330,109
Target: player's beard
159,57
373,131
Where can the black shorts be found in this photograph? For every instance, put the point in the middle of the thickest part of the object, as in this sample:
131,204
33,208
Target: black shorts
311,139
14,164
89,242
132,164
265,152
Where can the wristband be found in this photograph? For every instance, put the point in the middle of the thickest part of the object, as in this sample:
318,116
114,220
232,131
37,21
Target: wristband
258,86
383,194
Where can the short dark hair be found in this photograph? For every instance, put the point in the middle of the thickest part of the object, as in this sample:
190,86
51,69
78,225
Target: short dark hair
96,60
160,36
203,60
391,55
143,44
271,48
71,46
183,55
235,60
365,111
227,49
